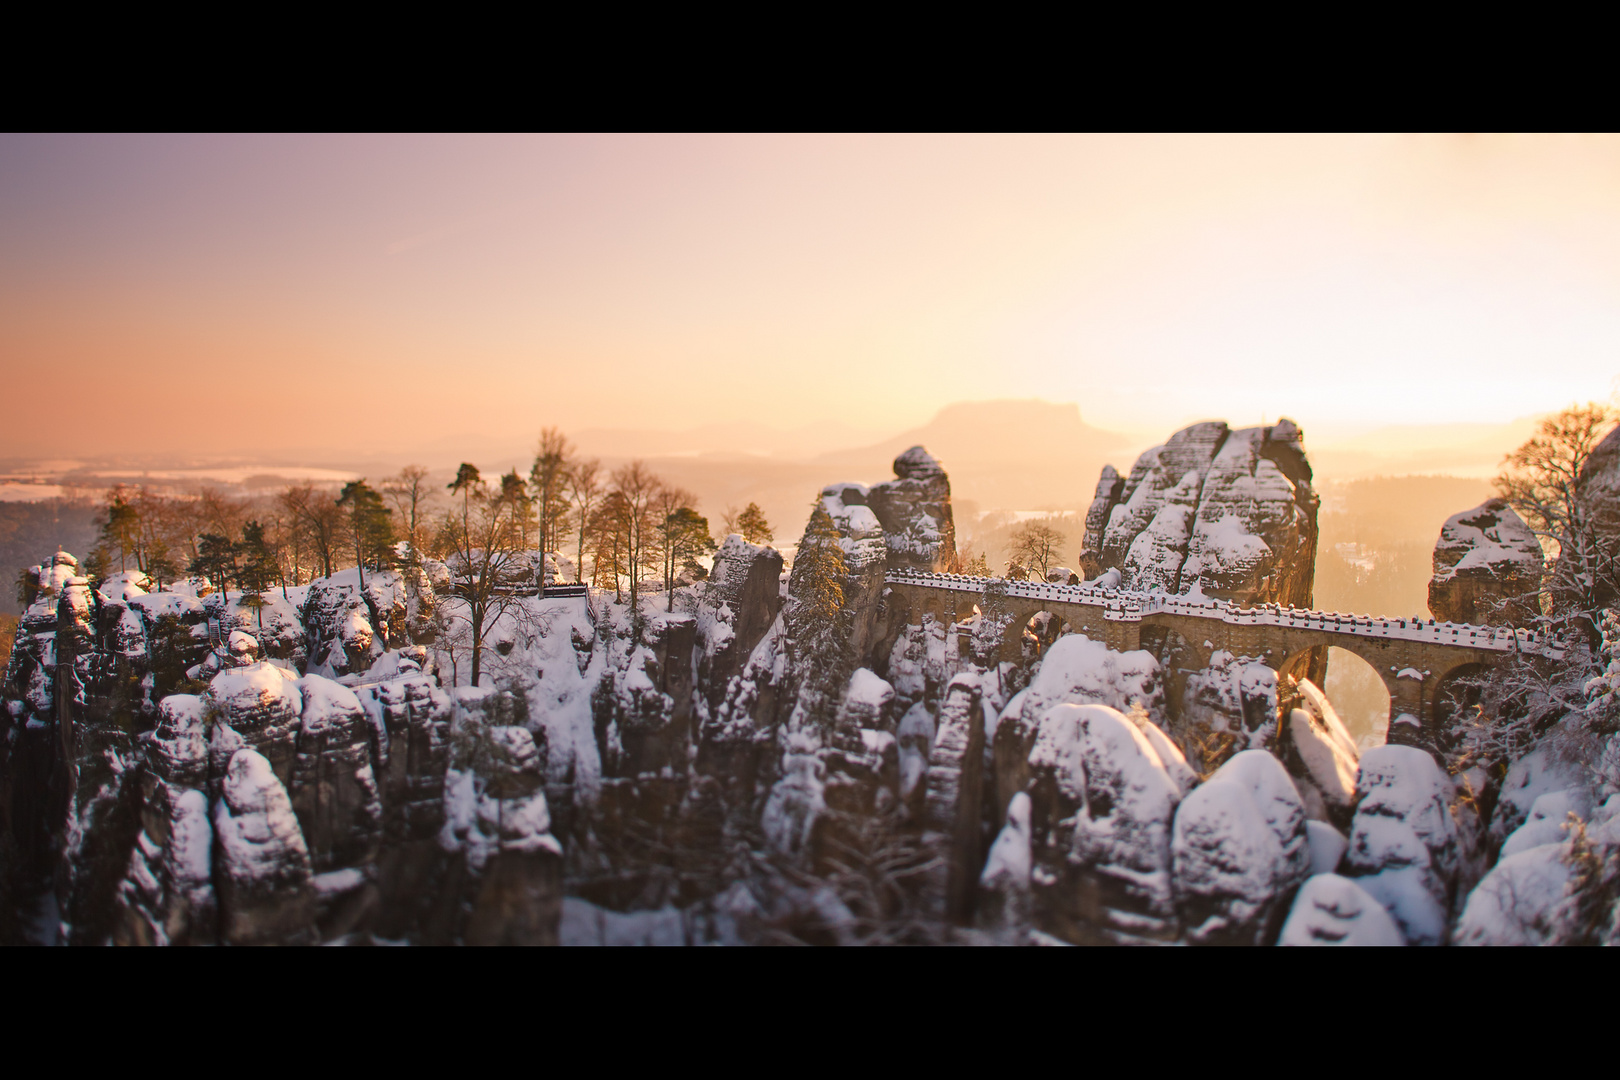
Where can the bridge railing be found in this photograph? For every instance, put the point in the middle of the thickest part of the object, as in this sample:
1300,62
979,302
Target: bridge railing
1129,605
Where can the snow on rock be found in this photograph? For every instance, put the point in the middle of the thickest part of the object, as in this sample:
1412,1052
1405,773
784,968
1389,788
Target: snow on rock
645,692
1333,910
167,896
735,611
497,818
1233,699
334,786
261,703
1485,563
1230,512
1239,846
1079,671
396,664
915,735
914,509
1102,804
1536,774
1323,757
265,891
124,585
179,745
865,550
951,819
1549,817
1004,885
1328,846
796,805
1515,903
732,739
1412,845
350,627
866,701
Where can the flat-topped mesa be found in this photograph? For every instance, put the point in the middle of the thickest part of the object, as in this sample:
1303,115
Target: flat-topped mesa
1231,513
1487,568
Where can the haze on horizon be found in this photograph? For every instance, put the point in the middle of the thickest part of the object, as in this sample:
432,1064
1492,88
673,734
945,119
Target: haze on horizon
395,295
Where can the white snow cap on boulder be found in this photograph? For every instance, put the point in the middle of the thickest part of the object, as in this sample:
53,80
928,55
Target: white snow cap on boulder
1332,910
1546,824
256,695
257,830
1077,670
1515,902
1405,847
1240,843
1103,762
1325,749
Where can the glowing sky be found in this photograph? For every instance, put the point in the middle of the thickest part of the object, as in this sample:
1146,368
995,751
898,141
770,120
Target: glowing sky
221,294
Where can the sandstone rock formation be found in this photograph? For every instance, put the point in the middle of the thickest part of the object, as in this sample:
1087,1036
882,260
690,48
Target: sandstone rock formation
1487,568
1412,846
1240,847
184,770
1231,513
1102,805
915,512
1332,910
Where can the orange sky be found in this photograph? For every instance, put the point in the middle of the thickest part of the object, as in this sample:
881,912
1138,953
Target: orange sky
248,294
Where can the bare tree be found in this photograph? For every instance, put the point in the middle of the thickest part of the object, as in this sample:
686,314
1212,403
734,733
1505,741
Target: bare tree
1036,545
1578,521
484,560
609,525
584,488
665,502
637,487
320,519
549,479
413,498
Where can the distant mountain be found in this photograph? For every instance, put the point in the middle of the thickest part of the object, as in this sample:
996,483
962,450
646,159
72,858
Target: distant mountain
1011,455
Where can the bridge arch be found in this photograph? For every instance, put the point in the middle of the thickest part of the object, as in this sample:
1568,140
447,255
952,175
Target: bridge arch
1404,694
1359,695
1033,632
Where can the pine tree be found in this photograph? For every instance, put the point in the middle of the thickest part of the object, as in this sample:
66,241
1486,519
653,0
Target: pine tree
257,572
549,479
753,526
216,560
467,483
685,537
371,527
121,530
160,564
815,614
516,494
96,565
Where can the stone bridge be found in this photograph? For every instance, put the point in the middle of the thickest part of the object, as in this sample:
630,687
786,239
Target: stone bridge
1414,657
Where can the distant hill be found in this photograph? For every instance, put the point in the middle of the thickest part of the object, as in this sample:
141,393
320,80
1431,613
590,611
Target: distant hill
1013,455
